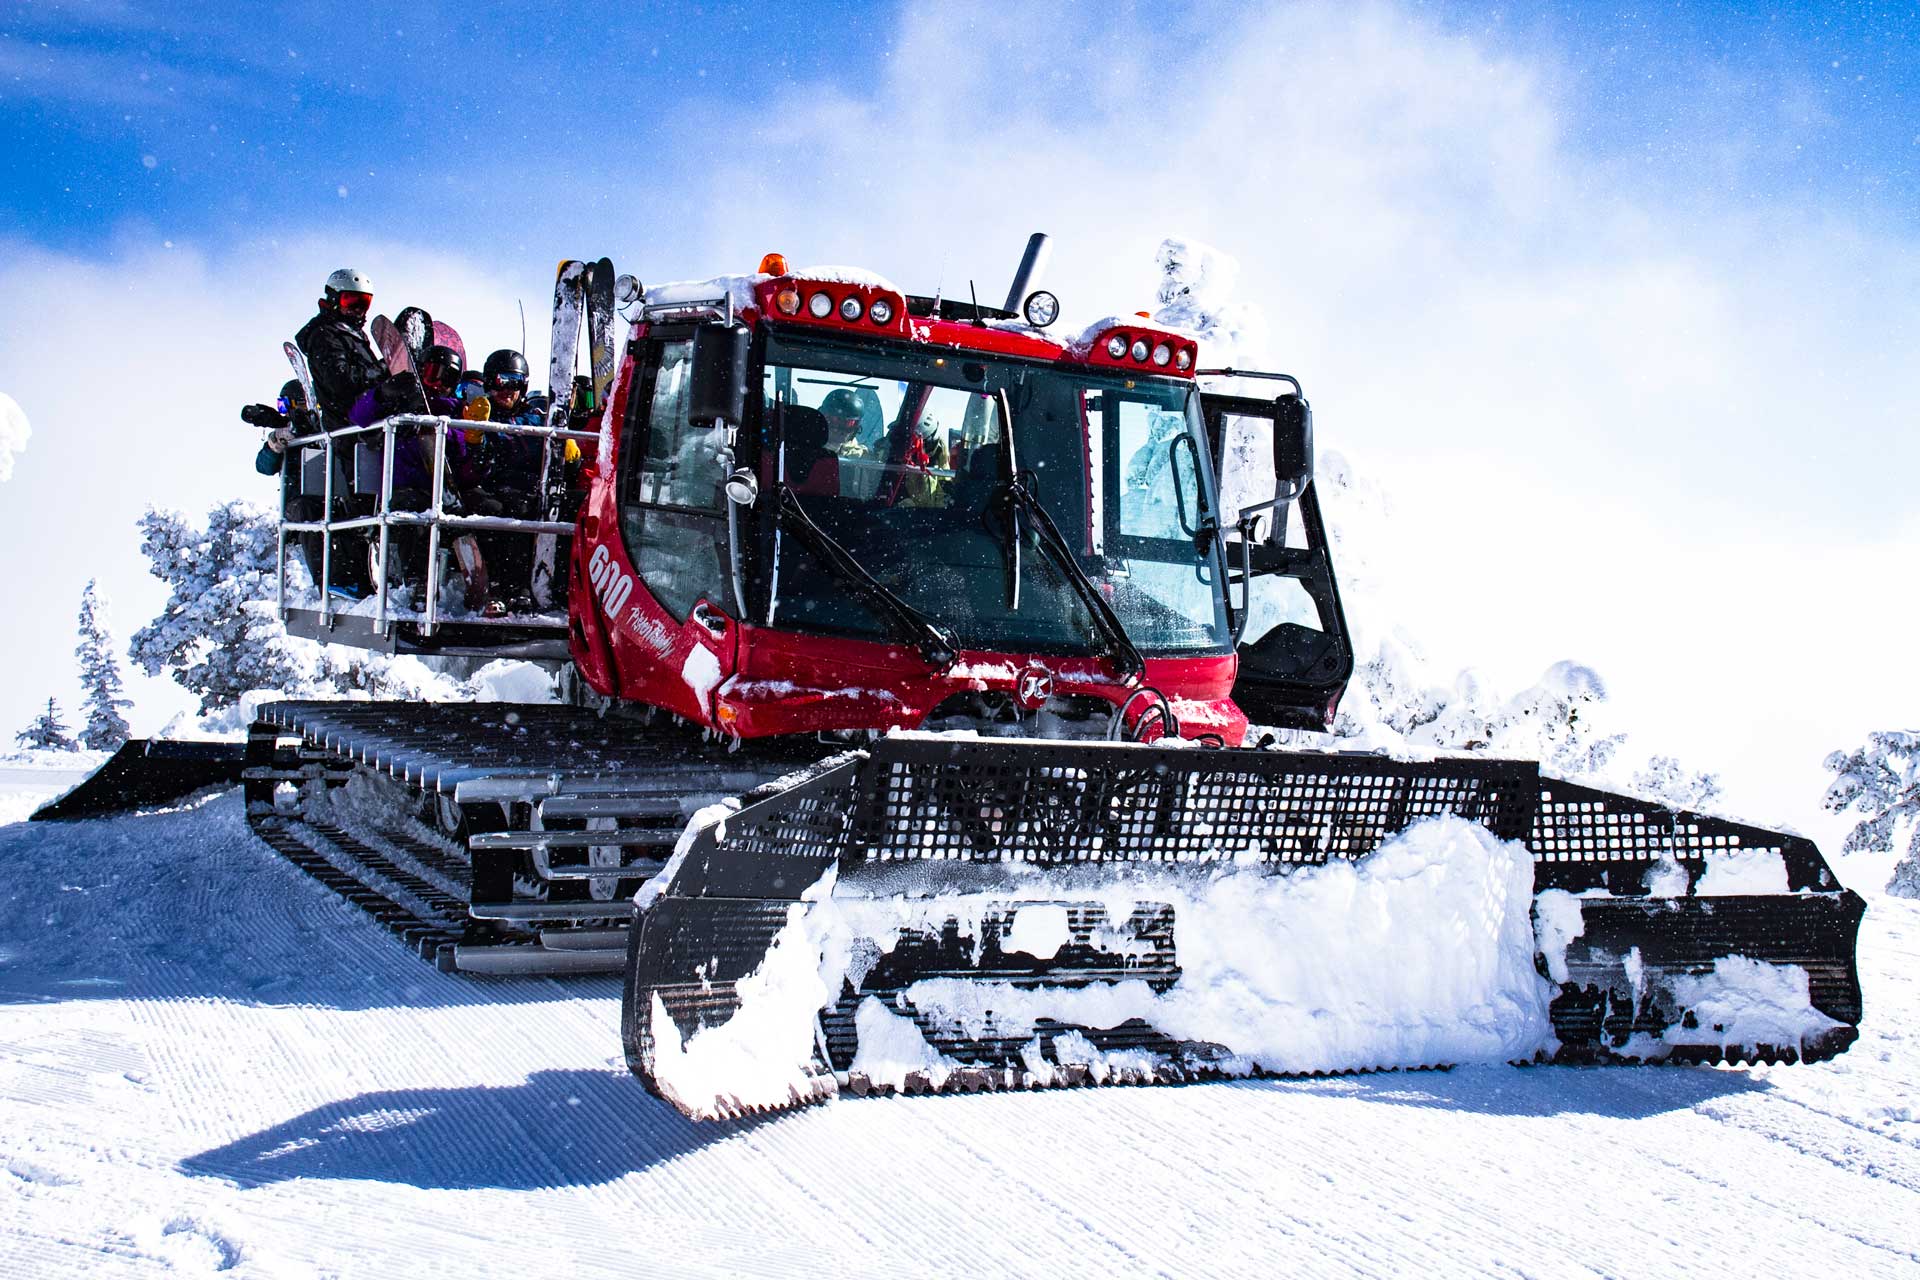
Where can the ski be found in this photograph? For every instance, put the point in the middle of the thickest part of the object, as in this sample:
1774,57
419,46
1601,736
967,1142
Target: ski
569,296
303,371
600,328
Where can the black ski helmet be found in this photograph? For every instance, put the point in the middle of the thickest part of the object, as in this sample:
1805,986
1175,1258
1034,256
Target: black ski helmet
505,364
442,357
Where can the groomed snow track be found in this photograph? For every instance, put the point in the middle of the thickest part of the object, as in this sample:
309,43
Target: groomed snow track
489,837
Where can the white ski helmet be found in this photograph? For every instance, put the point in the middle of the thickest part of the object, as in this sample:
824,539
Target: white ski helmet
349,280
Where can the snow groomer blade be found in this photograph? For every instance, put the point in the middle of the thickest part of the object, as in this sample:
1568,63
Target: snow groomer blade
943,914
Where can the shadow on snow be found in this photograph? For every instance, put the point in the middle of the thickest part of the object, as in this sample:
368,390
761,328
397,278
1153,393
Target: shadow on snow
559,1128
1614,1092
571,1128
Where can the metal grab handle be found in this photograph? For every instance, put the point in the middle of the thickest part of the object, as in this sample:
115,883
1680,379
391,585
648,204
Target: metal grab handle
1245,610
1203,535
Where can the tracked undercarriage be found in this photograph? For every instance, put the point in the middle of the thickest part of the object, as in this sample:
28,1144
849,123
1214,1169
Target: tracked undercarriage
504,839
490,837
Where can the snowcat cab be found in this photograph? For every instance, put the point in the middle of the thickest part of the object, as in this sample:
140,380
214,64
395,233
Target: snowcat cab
833,507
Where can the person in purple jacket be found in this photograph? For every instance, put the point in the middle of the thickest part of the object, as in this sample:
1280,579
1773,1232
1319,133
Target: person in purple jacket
432,392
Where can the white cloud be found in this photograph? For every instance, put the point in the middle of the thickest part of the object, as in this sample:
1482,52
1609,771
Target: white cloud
13,433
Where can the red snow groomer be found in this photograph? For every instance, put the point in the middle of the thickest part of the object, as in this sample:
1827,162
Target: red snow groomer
821,509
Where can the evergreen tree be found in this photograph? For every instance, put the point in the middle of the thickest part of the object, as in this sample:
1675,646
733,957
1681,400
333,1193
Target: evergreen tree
219,635
46,732
99,676
1881,782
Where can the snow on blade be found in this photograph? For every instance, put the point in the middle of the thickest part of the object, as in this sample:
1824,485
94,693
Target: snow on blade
1733,872
760,1056
1421,953
1746,1001
1557,921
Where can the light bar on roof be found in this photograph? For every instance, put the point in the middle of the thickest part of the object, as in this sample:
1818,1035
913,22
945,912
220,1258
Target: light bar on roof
1146,350
834,304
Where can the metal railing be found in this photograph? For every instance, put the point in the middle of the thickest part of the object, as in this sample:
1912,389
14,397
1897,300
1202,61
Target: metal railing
434,518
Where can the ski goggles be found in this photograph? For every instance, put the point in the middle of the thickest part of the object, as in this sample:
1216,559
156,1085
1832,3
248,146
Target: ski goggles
356,301
284,405
509,382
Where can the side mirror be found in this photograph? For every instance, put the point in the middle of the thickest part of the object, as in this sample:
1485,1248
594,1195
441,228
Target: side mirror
718,391
1292,446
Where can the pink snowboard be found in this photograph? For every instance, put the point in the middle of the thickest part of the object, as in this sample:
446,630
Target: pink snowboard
445,336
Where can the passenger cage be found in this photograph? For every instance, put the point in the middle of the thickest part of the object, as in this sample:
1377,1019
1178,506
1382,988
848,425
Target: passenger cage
324,473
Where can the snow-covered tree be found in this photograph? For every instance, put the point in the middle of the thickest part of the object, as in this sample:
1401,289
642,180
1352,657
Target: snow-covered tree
1666,779
1881,782
105,728
1195,292
218,636
46,732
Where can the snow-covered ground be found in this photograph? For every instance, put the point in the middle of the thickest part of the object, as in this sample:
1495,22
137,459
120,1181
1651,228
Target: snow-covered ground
211,1063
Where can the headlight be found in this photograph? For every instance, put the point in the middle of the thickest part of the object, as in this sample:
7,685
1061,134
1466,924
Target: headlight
1162,354
1184,360
1117,345
1041,309
821,305
850,308
881,312
787,301
1139,348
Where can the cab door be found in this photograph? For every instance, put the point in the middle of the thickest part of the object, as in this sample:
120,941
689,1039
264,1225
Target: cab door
675,637
1289,630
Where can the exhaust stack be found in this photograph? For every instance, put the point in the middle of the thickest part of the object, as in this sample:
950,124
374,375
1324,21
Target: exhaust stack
1032,263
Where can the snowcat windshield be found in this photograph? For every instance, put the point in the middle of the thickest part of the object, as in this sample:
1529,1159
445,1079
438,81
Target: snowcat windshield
899,456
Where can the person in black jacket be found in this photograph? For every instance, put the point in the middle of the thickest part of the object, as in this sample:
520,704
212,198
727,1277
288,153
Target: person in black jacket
289,423
344,364
335,341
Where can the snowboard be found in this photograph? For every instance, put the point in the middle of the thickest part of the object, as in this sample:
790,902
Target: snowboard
444,335
393,345
416,329
569,298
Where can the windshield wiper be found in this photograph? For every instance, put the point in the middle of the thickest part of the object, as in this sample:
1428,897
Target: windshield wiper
1020,498
938,645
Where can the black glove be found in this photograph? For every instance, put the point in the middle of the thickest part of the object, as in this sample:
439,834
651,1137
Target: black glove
263,415
399,393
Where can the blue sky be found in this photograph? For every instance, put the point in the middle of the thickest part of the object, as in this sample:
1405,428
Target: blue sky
1619,304
249,120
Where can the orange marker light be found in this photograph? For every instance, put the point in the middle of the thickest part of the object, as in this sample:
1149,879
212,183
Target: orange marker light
1143,315
787,301
774,264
